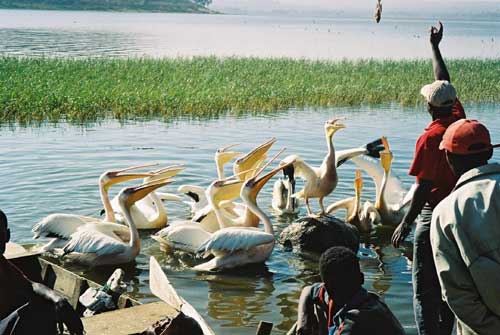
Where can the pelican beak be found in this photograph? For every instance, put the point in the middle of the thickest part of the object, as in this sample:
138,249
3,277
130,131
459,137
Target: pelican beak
253,185
332,125
109,178
224,156
167,172
358,182
130,195
386,156
253,159
224,190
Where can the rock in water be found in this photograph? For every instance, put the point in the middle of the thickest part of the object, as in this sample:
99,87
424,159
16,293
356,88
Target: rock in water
317,234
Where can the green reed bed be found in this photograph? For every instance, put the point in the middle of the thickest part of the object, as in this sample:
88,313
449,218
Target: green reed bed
81,90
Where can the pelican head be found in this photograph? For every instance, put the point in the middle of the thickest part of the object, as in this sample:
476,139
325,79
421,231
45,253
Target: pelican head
252,186
224,155
386,156
358,182
253,159
223,190
130,195
166,172
332,125
109,178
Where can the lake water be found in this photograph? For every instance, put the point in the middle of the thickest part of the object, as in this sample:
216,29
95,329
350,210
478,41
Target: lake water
52,169
98,34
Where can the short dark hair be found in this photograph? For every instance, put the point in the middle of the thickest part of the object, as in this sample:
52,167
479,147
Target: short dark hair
470,160
339,262
441,111
3,220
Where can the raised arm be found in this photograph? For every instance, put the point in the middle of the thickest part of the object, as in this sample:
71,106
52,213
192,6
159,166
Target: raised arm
438,65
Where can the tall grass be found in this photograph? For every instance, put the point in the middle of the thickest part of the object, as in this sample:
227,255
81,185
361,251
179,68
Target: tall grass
39,90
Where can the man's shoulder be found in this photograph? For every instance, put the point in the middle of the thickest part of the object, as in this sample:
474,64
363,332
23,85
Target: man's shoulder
431,136
468,193
374,315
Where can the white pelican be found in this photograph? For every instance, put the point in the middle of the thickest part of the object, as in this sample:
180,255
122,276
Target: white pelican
283,202
150,212
197,193
244,167
364,218
91,247
188,236
392,197
61,226
237,246
319,182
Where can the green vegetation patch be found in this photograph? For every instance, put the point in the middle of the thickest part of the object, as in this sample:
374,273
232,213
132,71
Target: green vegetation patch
40,90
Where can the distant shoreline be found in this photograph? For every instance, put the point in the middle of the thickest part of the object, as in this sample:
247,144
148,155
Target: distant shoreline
38,90
155,6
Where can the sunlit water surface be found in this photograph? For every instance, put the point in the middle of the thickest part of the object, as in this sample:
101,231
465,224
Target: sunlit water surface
96,34
55,169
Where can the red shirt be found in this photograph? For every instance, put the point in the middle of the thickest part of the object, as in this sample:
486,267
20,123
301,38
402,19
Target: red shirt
429,163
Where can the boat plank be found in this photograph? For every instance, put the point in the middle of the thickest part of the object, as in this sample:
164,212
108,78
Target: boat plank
129,320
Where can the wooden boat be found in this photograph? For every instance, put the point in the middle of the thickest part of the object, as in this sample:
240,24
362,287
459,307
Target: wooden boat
131,317
71,285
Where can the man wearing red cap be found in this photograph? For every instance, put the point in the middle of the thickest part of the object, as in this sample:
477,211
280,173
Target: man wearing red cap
434,180
465,231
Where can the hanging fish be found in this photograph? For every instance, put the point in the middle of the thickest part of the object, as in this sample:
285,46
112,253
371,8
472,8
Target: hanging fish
378,11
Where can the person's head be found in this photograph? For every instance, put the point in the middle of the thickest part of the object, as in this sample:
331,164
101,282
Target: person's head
467,144
4,232
440,97
339,270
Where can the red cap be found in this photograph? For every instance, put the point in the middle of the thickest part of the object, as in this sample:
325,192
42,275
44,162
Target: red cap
465,137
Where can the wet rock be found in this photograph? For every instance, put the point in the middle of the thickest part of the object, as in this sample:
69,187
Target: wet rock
316,234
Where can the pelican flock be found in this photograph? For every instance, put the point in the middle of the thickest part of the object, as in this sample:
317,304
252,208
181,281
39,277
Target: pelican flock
227,227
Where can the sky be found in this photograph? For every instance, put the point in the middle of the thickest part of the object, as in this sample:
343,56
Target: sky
249,6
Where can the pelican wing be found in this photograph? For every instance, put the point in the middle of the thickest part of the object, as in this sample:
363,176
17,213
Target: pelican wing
233,239
92,241
60,225
304,171
341,156
186,236
395,189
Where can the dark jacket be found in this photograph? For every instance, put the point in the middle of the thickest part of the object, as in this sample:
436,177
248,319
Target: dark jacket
364,314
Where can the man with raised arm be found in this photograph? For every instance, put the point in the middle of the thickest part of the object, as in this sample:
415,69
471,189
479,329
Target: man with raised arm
27,307
465,231
434,180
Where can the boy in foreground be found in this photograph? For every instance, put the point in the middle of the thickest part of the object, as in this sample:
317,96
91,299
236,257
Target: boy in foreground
340,305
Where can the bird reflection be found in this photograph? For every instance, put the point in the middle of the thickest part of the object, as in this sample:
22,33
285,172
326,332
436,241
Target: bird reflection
241,297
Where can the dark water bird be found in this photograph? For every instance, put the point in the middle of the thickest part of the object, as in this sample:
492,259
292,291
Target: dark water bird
378,11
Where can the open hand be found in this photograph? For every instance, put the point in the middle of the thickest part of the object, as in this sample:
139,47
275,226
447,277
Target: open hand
400,233
436,34
67,315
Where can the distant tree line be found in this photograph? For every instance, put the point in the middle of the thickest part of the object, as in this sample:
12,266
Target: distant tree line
116,5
